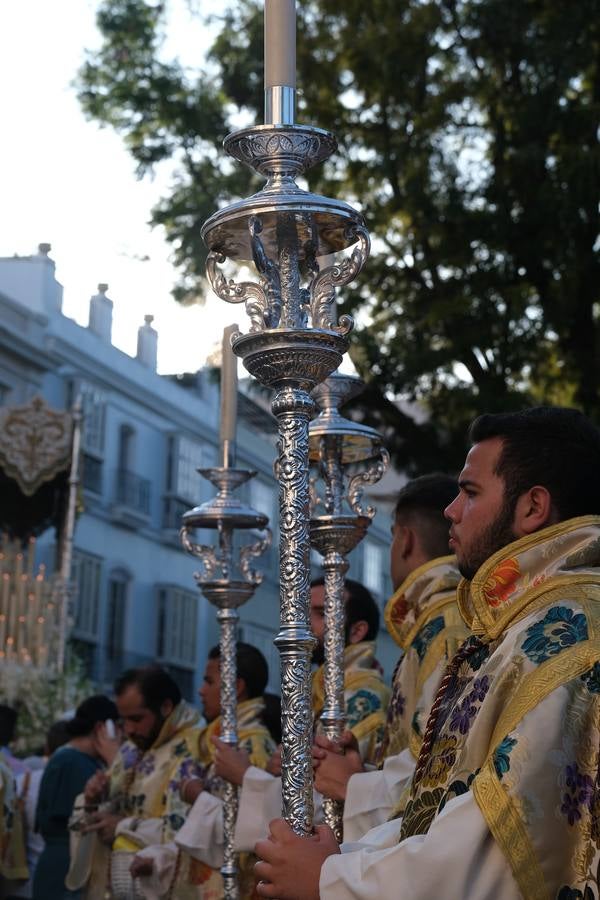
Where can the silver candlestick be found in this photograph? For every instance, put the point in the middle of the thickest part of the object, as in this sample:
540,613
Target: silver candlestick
227,583
339,448
295,341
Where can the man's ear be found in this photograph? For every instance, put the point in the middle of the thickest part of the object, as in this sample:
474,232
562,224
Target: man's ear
404,540
166,708
241,692
534,510
408,541
358,631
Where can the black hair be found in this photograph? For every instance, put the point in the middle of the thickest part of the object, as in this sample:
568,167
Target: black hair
154,684
93,710
56,736
251,666
556,447
272,715
8,724
422,501
360,606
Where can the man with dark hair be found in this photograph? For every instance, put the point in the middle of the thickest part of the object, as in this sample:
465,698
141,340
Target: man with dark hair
138,800
505,797
365,693
423,618
200,841
366,697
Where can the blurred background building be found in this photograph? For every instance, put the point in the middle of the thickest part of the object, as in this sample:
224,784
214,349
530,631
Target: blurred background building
144,436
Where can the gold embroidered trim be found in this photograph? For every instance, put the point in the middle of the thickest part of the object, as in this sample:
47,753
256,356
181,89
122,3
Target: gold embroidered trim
536,686
397,633
470,595
369,724
447,599
414,743
509,832
441,647
556,585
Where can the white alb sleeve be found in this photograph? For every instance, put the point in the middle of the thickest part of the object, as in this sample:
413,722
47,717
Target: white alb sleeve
372,796
457,858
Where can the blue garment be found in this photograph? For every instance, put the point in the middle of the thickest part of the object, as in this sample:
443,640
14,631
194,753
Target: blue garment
65,777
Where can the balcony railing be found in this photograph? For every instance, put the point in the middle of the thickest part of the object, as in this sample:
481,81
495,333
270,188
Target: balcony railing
133,492
91,474
173,509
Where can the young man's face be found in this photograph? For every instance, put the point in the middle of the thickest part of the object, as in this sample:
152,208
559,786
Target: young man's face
140,724
210,690
481,520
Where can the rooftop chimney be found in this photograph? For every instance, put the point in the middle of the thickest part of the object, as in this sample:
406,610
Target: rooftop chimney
147,343
101,310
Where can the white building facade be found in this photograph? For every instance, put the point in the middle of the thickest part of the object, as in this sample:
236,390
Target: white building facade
145,435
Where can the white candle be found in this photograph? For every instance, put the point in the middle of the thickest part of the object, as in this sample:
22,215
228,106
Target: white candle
30,556
228,397
280,43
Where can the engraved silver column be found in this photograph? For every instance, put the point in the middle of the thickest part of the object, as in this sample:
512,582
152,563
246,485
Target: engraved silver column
289,236
227,583
347,455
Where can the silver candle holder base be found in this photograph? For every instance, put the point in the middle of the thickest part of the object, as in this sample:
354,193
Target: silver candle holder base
347,455
227,583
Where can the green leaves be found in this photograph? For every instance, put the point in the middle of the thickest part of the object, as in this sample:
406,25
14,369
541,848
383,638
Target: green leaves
468,136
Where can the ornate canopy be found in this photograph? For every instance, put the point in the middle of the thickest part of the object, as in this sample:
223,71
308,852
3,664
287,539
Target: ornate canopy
35,455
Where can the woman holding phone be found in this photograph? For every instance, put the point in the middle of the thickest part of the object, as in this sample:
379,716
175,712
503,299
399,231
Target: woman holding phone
93,743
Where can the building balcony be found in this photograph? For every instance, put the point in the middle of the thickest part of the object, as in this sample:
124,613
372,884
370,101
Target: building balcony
173,510
91,474
132,499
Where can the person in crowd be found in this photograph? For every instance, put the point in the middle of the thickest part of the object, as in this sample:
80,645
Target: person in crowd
8,730
137,801
68,770
504,800
27,792
423,618
366,697
198,844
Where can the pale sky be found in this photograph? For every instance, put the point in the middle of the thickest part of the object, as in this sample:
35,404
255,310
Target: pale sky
67,182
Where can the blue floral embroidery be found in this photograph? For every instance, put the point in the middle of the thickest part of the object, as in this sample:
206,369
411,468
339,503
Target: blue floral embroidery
477,659
426,635
146,765
360,705
591,679
480,688
466,711
415,724
129,755
560,628
569,893
579,794
462,715
502,756
189,768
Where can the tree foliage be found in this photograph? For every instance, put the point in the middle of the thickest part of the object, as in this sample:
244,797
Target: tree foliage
468,135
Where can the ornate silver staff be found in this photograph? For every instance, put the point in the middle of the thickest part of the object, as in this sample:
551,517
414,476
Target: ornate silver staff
66,552
227,583
295,341
338,448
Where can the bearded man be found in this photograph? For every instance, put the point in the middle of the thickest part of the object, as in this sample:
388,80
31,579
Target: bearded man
504,802
198,845
137,802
